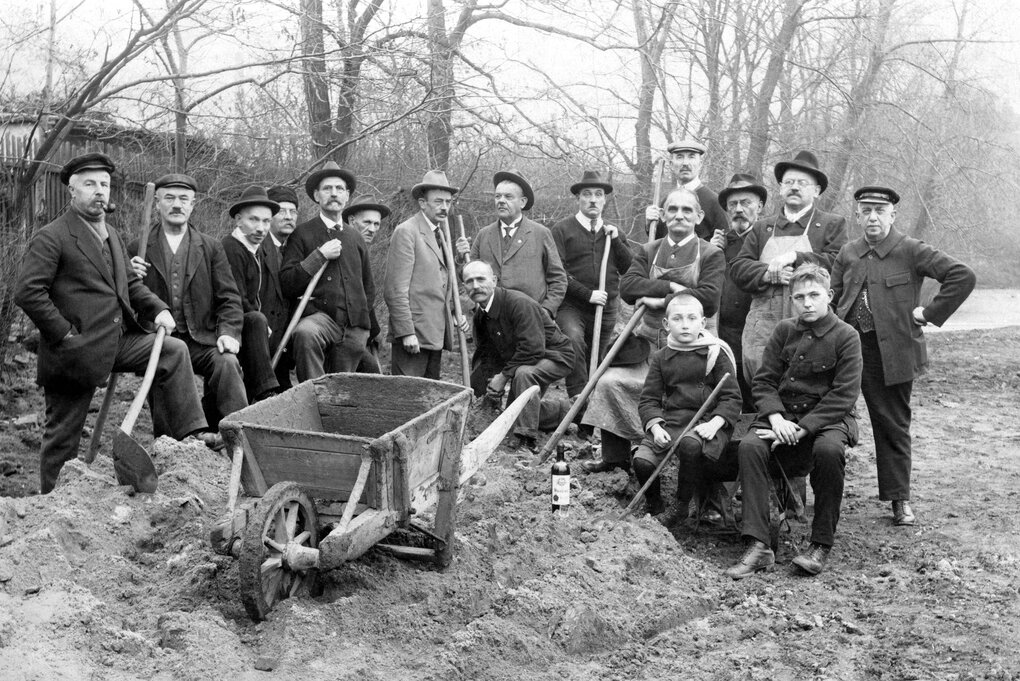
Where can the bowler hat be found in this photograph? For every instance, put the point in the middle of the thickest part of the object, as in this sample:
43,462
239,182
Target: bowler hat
591,178
876,194
254,196
806,161
93,161
177,180
518,179
743,182
281,193
686,145
366,202
331,169
433,179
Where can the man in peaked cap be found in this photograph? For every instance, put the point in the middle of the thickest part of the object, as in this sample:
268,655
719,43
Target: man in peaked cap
253,216
417,287
742,199
686,158
334,328
76,287
876,283
776,246
581,240
366,216
189,272
520,251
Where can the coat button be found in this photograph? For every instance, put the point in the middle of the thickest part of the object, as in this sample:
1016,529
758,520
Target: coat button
329,278
116,320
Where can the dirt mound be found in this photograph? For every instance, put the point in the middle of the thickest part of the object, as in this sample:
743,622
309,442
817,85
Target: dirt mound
95,583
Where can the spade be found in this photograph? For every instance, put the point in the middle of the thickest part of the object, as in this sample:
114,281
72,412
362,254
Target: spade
131,462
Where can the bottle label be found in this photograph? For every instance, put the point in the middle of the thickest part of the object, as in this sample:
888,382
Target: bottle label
561,490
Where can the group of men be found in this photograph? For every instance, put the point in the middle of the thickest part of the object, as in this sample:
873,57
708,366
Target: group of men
545,300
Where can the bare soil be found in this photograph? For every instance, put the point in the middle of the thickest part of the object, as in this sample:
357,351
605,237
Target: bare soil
96,584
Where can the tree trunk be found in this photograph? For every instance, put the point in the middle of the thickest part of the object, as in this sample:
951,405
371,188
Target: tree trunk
439,129
320,125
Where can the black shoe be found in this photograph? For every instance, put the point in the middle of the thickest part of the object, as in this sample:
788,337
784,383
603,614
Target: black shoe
654,505
675,514
757,558
902,513
603,466
813,560
528,442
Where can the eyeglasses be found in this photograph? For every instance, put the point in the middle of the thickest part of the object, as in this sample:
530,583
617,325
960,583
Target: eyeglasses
799,183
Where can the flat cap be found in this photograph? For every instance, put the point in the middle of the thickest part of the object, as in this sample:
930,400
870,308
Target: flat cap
93,161
876,194
177,180
280,193
686,145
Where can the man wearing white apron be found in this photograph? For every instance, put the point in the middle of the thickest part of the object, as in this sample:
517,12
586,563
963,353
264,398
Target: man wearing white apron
679,262
777,245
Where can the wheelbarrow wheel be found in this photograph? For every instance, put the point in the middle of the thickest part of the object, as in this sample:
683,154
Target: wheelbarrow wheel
285,514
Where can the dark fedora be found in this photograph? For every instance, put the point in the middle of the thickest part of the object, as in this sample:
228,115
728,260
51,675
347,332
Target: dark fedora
254,196
433,179
806,161
331,169
366,202
591,178
281,193
93,161
177,180
518,179
876,194
743,182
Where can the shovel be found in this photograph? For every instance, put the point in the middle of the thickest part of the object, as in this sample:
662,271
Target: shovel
131,462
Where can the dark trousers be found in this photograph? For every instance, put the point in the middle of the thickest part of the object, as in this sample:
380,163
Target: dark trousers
889,409
256,360
542,374
223,386
286,363
822,455
699,463
578,323
733,336
67,407
424,364
320,344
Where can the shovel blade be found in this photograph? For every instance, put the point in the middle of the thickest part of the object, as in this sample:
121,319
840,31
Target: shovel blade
132,464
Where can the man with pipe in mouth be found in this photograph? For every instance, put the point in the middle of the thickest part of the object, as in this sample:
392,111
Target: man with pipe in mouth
76,287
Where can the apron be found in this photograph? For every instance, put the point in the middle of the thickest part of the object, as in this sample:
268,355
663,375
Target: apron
685,275
772,306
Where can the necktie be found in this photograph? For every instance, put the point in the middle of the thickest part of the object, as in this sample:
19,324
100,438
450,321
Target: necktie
594,225
507,239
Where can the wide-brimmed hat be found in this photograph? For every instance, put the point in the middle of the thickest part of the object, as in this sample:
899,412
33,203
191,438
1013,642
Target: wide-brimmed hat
743,182
177,180
93,161
433,179
806,161
686,145
591,178
875,194
331,169
518,179
366,202
254,196
281,193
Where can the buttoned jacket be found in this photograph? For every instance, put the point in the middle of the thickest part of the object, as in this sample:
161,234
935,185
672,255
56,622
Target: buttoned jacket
531,265
581,254
66,287
515,333
894,270
677,384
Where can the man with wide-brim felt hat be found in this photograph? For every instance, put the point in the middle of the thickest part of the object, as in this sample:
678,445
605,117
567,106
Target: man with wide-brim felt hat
253,218
188,270
743,199
76,287
888,318
365,214
417,287
686,159
335,325
581,240
801,233
520,251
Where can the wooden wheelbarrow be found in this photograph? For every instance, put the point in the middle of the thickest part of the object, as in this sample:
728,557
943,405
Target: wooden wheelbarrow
335,465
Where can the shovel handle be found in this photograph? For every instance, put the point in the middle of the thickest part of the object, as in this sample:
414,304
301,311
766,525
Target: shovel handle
150,199
97,431
656,194
150,373
465,361
596,331
297,314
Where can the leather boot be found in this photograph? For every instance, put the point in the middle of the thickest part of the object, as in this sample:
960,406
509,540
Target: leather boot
813,560
902,513
757,558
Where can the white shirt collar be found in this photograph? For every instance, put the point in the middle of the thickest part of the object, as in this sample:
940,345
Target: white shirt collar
512,227
428,222
685,240
796,216
488,305
693,184
239,235
279,244
586,221
329,223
